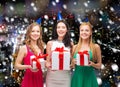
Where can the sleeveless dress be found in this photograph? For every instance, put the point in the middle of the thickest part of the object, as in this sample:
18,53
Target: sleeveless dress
84,76
58,78
31,79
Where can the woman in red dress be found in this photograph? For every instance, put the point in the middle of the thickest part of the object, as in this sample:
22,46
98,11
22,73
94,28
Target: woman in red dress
33,46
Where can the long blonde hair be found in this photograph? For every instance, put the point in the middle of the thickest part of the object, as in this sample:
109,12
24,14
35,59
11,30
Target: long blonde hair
92,44
28,39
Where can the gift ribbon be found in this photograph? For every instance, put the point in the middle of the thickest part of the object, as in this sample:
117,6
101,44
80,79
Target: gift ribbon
36,59
81,54
60,50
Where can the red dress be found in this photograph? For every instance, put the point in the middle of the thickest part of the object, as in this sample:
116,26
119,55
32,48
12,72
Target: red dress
31,79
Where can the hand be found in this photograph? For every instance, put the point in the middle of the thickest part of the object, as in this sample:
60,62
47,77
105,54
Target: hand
72,65
47,64
91,63
33,70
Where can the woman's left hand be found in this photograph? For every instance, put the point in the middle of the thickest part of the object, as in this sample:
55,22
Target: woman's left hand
91,63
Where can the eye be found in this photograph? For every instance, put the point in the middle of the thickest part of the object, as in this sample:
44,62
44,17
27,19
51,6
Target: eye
32,31
63,27
38,31
81,29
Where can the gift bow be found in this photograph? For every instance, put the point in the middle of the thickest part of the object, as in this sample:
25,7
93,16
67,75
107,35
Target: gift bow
38,57
60,50
82,56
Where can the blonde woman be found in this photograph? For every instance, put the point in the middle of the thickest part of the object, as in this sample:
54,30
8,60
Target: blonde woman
33,46
84,76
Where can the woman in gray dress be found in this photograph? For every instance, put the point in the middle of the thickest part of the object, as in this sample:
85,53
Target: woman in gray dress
61,38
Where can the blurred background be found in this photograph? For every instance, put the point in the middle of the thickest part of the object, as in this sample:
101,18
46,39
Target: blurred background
104,15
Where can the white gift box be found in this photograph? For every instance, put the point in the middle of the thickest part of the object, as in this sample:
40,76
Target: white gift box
56,63
34,63
82,61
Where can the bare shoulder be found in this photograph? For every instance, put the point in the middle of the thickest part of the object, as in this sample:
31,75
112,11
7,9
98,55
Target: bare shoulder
72,43
74,46
23,48
49,42
97,46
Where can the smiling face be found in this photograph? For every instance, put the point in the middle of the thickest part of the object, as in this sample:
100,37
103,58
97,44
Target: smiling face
61,29
35,33
85,32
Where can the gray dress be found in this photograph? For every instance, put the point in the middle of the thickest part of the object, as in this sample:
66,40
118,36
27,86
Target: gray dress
58,78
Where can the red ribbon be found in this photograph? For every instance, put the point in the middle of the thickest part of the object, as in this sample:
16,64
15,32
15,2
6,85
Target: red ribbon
36,59
81,54
60,50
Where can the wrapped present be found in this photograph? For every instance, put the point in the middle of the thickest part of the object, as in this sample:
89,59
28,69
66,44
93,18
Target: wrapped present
38,62
82,58
60,59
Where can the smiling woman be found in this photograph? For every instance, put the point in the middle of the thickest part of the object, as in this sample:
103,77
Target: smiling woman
33,46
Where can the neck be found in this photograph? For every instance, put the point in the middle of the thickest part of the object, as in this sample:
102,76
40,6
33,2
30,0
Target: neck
33,43
85,42
60,38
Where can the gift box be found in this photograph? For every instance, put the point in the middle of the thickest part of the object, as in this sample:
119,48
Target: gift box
38,62
82,58
60,59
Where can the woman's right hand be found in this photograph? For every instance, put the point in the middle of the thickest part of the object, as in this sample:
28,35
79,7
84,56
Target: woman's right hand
73,62
31,68
48,64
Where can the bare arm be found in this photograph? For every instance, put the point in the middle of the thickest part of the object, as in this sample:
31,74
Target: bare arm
73,59
99,58
21,54
48,51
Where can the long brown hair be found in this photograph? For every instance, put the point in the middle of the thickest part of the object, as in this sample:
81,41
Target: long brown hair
28,39
92,44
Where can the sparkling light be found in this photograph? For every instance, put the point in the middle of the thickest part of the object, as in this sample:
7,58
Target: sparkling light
72,34
45,29
99,80
46,16
32,4
108,27
114,67
65,6
7,19
6,77
99,41
85,4
53,3
118,84
111,22
75,3
35,8
112,9
57,1
101,12
11,8
12,19
102,66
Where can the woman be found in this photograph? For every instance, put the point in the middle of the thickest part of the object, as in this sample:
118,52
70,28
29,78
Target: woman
61,38
84,76
33,46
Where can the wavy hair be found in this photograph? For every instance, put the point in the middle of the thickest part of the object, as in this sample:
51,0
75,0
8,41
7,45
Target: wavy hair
66,39
27,40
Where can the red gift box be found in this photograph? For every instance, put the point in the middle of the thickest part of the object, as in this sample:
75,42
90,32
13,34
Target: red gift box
82,58
60,59
37,62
